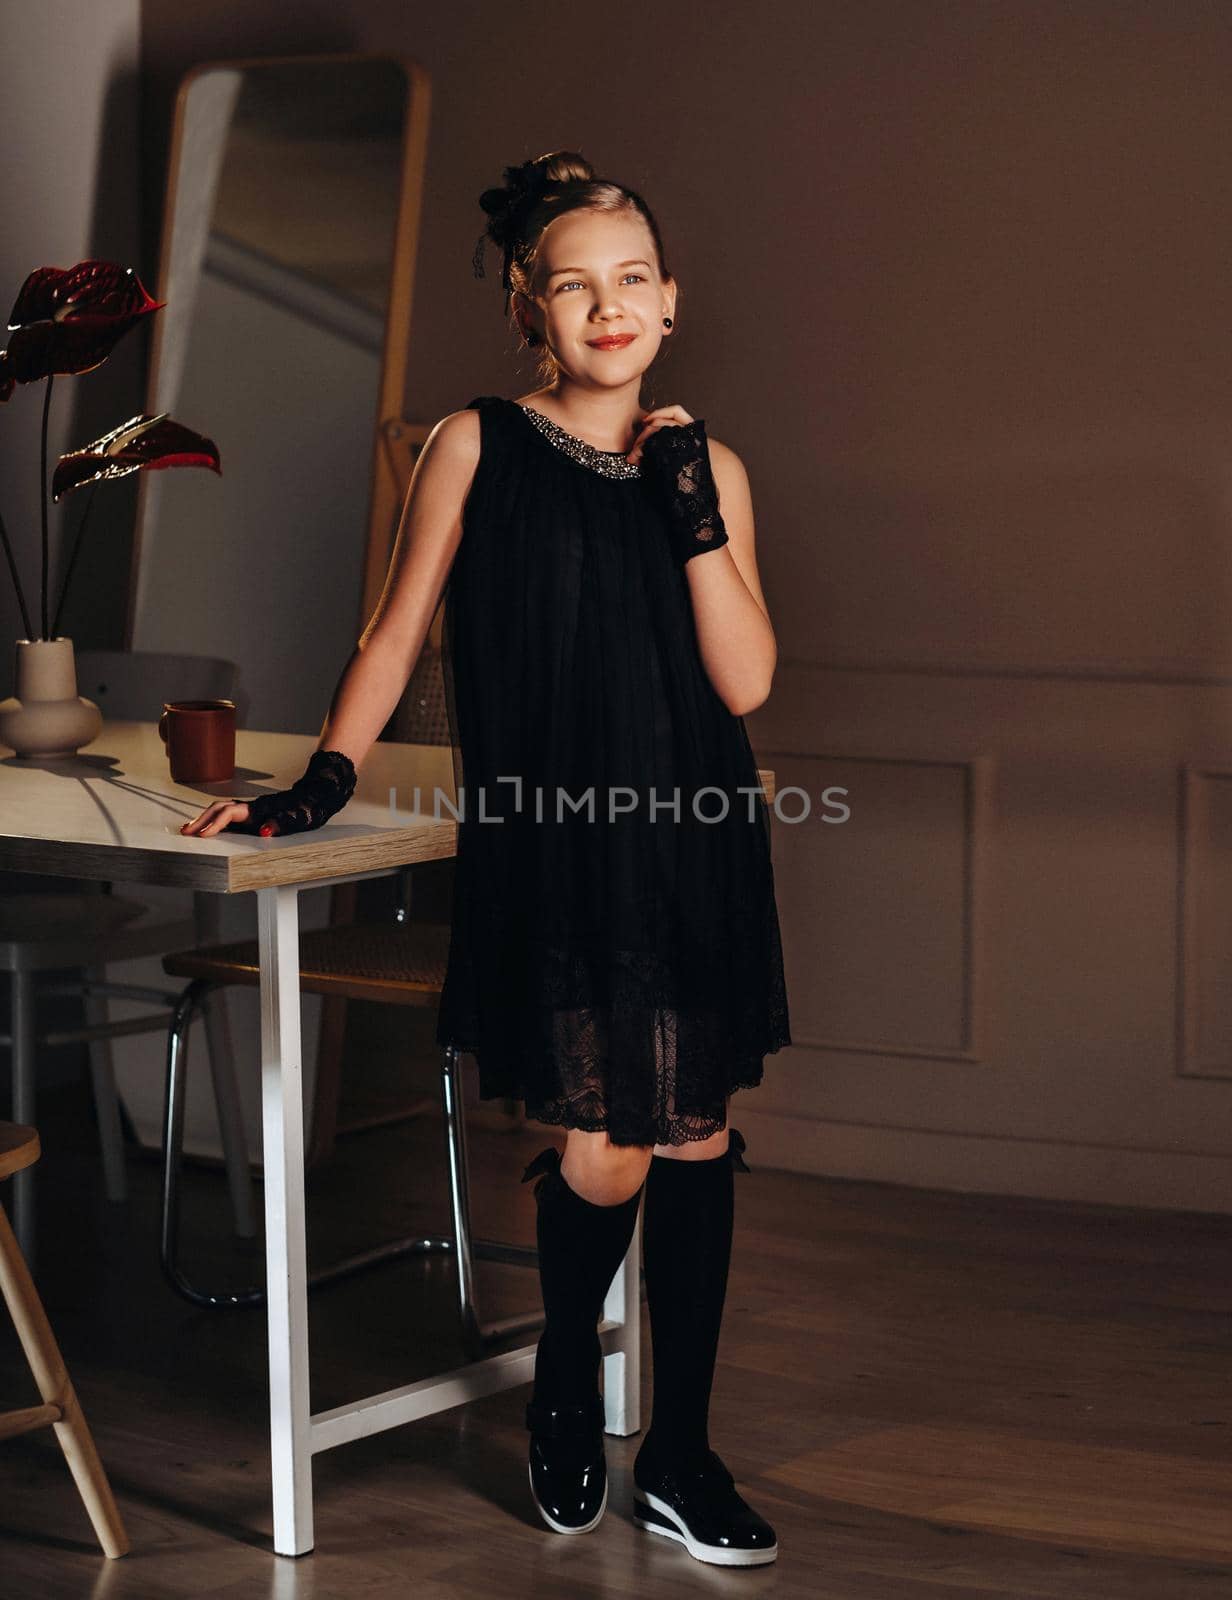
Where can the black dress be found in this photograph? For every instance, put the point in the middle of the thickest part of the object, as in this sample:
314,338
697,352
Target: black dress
614,962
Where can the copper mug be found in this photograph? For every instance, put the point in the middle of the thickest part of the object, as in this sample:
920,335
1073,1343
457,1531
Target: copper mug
200,739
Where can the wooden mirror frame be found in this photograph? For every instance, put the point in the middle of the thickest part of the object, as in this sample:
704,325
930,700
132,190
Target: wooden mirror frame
392,435
395,446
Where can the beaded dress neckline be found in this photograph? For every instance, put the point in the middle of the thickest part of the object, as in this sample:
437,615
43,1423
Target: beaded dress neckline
610,463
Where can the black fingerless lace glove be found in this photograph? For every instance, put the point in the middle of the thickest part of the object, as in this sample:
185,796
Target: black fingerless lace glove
326,786
678,459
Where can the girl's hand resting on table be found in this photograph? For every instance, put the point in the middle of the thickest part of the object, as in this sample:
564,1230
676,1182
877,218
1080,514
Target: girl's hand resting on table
326,786
219,815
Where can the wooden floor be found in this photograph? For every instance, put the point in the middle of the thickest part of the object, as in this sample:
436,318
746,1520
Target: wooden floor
928,1394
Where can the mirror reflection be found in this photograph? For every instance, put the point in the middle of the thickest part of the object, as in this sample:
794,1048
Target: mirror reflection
276,271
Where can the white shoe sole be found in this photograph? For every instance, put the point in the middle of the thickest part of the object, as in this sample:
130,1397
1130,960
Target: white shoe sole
561,1527
716,1554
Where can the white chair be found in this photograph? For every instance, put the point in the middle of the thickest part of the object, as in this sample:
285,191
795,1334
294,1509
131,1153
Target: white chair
85,926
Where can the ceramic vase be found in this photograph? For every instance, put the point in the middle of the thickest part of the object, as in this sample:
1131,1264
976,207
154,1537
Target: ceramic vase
47,718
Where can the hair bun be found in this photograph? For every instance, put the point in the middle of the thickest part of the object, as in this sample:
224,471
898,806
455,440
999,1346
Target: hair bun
527,181
525,184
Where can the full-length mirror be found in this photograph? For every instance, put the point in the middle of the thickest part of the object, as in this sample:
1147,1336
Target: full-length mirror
289,239
288,250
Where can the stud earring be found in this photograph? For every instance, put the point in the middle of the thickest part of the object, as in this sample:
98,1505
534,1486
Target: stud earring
667,322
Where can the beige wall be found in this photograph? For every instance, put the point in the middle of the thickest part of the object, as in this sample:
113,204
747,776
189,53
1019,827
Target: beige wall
954,284
68,114
68,122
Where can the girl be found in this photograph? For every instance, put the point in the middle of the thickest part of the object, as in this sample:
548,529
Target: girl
614,958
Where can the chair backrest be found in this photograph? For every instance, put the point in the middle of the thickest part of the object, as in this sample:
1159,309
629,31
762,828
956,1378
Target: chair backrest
423,716
131,685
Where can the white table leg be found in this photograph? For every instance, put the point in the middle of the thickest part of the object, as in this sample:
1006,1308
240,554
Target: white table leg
282,1117
622,1366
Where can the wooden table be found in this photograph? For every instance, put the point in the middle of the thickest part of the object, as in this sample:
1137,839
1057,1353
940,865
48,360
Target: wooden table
112,812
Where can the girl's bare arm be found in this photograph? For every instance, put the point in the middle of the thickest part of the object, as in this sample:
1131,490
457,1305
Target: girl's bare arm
428,537
734,633
376,675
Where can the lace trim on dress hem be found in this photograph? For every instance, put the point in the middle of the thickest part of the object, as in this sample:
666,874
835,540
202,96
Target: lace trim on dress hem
683,1131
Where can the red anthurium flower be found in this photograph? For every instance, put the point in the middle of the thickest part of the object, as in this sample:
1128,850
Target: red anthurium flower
141,442
69,319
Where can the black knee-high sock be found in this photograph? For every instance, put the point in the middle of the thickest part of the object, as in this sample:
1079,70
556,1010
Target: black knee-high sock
581,1245
686,1251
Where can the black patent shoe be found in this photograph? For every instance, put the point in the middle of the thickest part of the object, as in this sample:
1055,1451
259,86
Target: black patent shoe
568,1470
701,1507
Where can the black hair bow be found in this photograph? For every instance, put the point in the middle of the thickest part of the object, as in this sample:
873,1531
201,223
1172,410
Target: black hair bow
524,185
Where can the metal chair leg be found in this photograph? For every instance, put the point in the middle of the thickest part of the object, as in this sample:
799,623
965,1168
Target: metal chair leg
173,1140
230,1112
475,1338
194,998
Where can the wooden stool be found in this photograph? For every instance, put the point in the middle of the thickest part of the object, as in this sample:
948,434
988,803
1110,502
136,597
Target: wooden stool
19,1147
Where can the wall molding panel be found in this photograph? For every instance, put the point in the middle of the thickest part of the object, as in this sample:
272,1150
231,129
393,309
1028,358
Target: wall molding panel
971,824
1204,920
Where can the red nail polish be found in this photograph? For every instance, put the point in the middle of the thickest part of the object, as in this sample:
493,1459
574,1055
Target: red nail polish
267,829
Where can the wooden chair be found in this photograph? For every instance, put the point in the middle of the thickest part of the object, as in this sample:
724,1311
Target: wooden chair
19,1149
